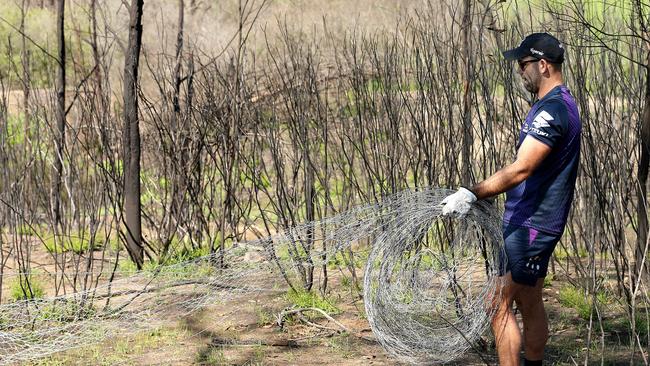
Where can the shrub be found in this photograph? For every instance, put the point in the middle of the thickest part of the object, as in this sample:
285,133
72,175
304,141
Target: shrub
264,316
67,311
575,298
309,299
26,287
73,243
184,253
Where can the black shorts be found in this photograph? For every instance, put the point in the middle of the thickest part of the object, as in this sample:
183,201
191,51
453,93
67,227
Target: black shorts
529,252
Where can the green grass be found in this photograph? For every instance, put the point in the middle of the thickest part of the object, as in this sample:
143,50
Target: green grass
39,24
343,344
642,323
564,253
428,261
284,252
548,280
15,129
406,297
346,282
26,288
66,311
128,267
620,326
16,133
310,299
170,267
26,230
262,180
118,350
597,12
212,356
78,244
259,353
180,252
340,260
114,168
577,299
265,316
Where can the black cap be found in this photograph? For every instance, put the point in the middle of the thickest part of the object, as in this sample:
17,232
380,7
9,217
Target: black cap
540,46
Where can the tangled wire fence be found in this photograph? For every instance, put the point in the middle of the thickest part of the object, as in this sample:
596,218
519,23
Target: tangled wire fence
429,282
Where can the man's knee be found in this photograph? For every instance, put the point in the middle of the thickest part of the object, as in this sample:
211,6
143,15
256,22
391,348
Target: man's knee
529,299
502,299
502,302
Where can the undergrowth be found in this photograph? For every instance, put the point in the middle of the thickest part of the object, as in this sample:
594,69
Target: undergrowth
26,287
576,298
310,299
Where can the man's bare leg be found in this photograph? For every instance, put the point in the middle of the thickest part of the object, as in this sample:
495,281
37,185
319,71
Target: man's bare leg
530,303
504,324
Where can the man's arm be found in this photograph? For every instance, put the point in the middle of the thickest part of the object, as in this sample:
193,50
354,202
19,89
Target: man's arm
531,153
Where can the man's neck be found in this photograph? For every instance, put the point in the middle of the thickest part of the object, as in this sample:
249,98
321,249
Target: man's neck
547,87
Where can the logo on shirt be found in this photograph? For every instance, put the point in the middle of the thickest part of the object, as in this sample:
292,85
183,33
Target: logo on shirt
542,119
540,122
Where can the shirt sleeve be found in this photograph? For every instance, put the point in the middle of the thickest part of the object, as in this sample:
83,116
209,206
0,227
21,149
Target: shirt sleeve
550,123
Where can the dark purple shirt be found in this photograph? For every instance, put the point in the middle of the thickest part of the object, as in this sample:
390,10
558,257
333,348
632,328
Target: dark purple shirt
543,200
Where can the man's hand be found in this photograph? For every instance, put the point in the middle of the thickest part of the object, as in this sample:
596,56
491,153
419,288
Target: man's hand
459,203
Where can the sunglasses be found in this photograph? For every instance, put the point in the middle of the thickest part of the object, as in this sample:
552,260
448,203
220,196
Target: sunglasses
524,64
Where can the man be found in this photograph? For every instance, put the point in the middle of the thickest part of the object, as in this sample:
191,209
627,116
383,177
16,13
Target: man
539,186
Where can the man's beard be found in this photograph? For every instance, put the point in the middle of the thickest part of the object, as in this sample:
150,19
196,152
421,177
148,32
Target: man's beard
530,85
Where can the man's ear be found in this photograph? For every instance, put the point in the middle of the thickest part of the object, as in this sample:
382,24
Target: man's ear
546,67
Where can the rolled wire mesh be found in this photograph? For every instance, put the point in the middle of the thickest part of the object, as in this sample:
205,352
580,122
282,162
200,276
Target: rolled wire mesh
427,286
430,281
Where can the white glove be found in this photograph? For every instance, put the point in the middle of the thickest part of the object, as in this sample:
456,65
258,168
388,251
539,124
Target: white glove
459,203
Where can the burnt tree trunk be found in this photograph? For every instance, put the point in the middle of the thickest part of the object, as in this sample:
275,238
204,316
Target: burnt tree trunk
310,199
131,137
177,66
466,167
59,132
179,130
644,161
24,59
